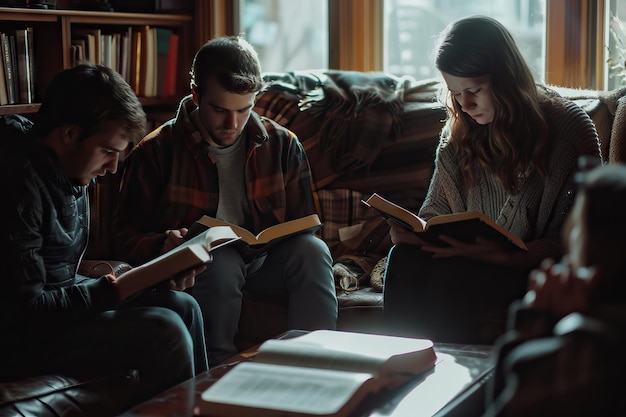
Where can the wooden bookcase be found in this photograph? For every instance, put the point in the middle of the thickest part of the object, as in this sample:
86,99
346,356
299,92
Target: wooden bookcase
52,36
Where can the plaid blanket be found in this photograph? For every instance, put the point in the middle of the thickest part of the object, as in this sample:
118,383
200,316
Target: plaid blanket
363,133
357,112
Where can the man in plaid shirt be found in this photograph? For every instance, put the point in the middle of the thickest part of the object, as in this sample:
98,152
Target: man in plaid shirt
217,157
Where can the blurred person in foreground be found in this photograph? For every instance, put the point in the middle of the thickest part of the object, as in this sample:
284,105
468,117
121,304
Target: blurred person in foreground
564,352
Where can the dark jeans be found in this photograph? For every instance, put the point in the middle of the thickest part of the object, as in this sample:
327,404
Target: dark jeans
454,300
159,333
296,272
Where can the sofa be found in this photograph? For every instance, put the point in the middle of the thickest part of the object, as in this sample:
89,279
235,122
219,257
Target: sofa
363,133
373,132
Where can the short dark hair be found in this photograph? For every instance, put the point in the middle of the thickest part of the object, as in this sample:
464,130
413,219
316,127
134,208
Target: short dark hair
234,63
89,96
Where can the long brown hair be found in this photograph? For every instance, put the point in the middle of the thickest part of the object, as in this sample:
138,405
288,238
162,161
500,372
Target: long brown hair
517,138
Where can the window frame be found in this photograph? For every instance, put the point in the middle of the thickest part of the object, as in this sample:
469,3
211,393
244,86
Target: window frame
575,36
575,42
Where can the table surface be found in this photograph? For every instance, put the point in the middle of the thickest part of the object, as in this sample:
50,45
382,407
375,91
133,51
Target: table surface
458,368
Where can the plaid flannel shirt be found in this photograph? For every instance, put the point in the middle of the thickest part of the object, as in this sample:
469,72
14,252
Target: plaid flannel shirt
170,181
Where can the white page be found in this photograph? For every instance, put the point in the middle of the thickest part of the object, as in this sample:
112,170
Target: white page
288,388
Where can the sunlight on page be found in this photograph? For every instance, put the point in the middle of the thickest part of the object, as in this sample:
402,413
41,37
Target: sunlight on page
433,392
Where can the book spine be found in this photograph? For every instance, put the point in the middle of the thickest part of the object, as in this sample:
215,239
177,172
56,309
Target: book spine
14,67
23,65
125,54
163,36
136,61
4,95
151,63
105,51
8,67
172,65
31,62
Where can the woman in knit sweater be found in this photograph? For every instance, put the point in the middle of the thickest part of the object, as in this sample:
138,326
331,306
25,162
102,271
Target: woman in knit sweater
509,149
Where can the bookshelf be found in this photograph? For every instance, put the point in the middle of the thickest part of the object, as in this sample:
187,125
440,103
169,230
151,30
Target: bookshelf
53,32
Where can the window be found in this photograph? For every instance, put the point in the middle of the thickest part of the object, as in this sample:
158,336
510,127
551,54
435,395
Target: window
575,48
411,28
288,35
616,60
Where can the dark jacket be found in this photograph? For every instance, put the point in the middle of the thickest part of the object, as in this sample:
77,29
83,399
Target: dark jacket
45,225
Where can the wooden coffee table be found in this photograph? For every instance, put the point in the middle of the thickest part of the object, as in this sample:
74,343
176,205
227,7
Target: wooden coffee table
454,387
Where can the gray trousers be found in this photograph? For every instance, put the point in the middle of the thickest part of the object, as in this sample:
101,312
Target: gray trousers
297,272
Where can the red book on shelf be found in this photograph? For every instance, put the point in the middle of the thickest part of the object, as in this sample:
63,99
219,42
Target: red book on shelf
172,64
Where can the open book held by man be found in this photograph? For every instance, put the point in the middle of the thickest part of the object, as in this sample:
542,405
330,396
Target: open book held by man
261,242
194,252
464,226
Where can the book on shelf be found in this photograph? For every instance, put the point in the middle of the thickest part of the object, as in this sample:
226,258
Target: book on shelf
8,60
116,46
77,52
172,65
321,373
93,41
15,69
261,242
192,253
464,226
31,61
24,55
151,75
4,93
125,44
163,39
106,50
136,46
147,62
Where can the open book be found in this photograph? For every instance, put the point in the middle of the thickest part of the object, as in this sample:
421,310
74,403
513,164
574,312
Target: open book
267,237
322,373
193,252
465,226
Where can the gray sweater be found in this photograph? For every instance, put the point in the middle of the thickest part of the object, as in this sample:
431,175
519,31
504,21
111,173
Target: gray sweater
537,212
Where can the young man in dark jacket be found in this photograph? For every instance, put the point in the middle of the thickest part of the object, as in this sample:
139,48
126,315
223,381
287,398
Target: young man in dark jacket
219,158
51,319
